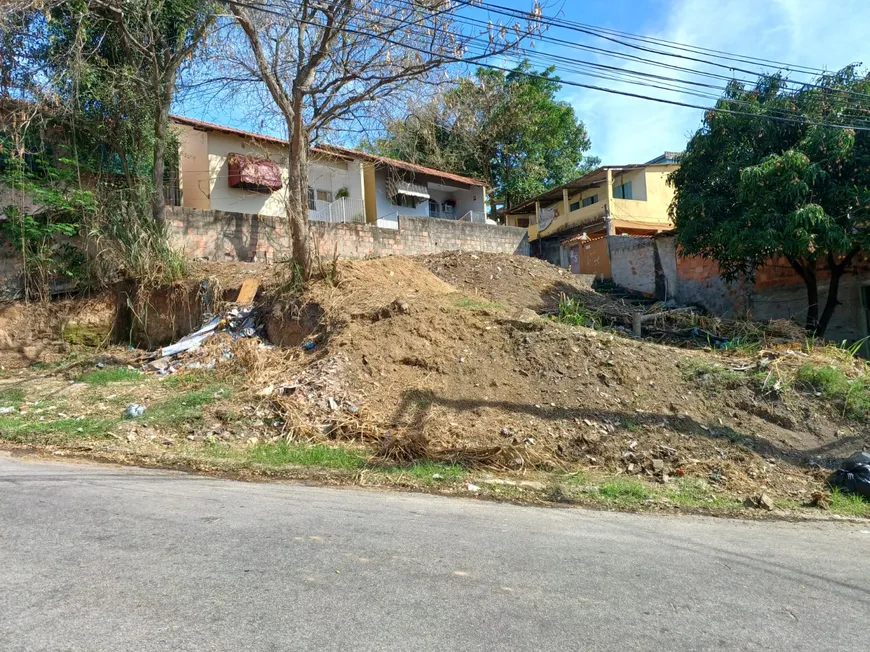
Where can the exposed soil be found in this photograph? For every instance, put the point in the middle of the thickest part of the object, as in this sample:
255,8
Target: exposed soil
443,358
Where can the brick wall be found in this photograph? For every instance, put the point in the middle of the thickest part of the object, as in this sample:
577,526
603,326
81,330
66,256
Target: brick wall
219,235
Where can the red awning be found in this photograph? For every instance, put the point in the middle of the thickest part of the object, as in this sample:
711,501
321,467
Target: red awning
253,173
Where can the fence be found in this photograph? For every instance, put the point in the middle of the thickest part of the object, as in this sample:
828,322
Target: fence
345,209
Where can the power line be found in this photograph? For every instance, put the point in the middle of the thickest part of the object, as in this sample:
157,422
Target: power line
453,59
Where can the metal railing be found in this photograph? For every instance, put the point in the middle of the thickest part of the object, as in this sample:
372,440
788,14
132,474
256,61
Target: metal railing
478,217
345,209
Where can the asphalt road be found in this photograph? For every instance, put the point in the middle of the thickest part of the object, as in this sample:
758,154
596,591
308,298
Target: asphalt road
100,558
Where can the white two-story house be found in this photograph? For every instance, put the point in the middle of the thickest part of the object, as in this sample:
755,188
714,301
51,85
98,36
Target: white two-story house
227,169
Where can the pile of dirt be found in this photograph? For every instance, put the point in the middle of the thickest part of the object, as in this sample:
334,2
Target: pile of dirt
485,383
505,278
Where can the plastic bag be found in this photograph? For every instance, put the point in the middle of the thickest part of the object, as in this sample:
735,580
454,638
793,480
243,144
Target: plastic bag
853,475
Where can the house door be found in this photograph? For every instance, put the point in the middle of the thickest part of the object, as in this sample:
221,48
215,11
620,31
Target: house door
433,208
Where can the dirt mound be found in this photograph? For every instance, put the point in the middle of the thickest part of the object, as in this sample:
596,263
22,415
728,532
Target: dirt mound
483,382
38,332
506,278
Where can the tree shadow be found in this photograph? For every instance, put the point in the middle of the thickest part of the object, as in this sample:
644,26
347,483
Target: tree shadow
416,405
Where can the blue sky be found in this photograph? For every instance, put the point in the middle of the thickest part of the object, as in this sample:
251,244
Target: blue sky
816,33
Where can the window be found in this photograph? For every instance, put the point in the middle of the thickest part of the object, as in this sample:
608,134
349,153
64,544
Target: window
623,191
588,201
576,206
324,195
312,205
523,222
404,200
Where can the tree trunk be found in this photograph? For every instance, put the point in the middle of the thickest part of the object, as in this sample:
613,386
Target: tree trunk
297,199
812,283
838,270
158,202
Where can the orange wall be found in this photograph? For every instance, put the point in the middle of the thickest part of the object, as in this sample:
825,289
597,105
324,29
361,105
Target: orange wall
595,258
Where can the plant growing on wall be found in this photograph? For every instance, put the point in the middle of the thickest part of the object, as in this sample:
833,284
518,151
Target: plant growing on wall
751,189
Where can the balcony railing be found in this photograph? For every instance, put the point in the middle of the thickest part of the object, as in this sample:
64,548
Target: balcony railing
478,217
345,209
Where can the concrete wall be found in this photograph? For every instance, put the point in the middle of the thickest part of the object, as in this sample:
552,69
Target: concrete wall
219,235
653,266
632,263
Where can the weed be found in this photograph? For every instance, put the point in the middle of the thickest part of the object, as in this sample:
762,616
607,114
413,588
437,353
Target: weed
425,470
477,304
623,490
192,379
26,429
574,313
849,504
576,478
556,493
852,348
11,396
632,426
834,385
186,407
319,455
711,376
101,377
695,492
743,345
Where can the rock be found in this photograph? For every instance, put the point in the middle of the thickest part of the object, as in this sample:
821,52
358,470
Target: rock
160,364
761,501
472,487
658,465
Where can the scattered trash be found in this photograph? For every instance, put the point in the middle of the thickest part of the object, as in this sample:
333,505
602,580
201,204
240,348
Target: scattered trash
266,391
100,365
308,346
437,476
134,410
473,487
7,410
248,291
853,476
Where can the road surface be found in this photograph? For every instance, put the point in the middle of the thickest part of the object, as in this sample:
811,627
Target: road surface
99,559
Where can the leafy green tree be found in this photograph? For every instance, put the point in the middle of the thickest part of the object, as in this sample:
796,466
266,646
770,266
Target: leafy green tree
506,128
775,181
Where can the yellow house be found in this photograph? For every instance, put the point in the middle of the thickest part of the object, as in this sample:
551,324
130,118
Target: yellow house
612,200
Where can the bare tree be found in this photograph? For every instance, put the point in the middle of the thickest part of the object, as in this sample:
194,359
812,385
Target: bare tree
325,63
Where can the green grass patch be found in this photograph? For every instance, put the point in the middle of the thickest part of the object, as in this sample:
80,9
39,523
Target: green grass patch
477,304
849,504
852,395
185,407
695,492
574,313
624,491
11,396
101,377
27,429
319,455
576,478
188,380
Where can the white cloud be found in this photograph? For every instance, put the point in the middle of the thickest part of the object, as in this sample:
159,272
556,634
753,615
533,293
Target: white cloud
811,33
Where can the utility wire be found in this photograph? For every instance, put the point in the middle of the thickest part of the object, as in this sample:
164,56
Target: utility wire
453,59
